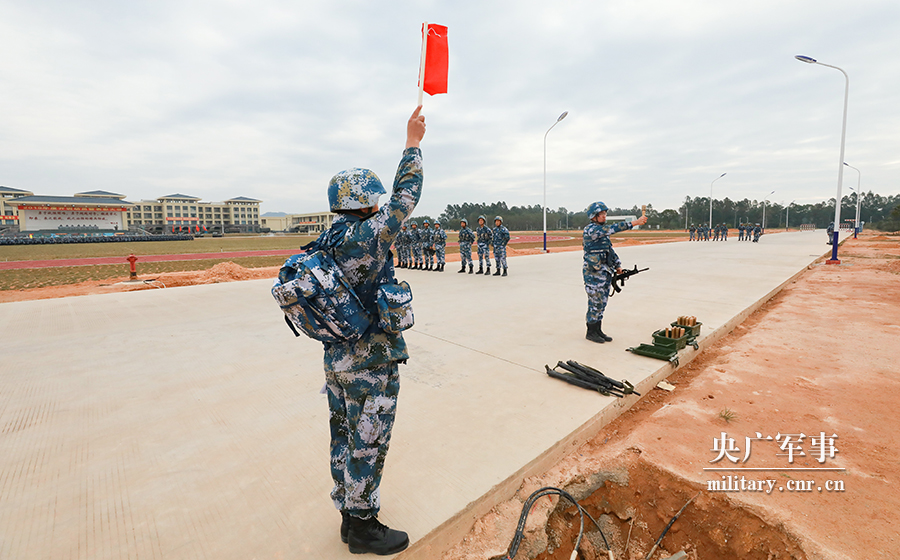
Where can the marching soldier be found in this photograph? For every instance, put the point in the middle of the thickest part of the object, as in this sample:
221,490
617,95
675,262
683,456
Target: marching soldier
415,244
427,245
484,246
466,238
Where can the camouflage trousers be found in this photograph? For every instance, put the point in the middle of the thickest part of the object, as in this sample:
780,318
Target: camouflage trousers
439,254
499,256
465,253
692,236
403,254
416,251
428,255
484,254
596,284
362,406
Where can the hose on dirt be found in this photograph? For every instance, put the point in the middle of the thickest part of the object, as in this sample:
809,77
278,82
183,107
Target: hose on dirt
526,508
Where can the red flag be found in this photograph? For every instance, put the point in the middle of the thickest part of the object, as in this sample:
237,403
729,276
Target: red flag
437,58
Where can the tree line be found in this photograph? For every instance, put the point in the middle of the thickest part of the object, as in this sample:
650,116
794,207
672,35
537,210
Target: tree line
876,211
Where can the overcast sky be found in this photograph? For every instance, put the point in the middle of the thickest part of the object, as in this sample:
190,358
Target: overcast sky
269,99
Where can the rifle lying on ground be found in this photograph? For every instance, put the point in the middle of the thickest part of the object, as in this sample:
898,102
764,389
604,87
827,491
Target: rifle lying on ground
618,280
587,377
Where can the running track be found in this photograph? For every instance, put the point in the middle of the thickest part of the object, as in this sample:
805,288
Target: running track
89,261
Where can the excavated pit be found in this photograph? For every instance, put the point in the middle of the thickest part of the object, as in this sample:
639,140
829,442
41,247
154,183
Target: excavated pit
639,498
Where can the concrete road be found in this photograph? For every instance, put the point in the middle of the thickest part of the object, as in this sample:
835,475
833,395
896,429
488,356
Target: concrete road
188,422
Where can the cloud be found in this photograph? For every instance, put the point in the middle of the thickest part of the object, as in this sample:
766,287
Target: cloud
270,99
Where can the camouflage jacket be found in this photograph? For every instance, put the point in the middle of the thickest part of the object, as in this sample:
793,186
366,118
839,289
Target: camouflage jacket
499,236
414,237
466,236
402,239
598,249
426,238
439,237
484,235
365,259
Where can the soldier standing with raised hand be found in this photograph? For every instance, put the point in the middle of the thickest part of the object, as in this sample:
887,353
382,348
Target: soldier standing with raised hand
466,238
600,262
499,239
484,246
362,376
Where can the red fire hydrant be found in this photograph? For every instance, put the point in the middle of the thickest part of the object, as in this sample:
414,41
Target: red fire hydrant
131,260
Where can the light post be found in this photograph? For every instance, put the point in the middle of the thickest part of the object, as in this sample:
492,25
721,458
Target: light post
561,117
787,217
837,200
710,196
858,196
764,210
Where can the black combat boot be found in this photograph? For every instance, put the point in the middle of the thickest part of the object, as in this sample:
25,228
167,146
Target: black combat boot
480,269
487,271
498,272
504,271
345,526
462,269
371,536
601,333
593,333
442,268
470,268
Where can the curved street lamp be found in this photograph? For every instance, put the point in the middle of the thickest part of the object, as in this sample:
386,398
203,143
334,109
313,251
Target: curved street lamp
837,200
787,217
856,229
764,210
561,117
710,197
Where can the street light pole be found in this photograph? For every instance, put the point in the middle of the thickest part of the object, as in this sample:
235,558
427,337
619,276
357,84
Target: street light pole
837,200
764,210
561,117
858,195
710,196
787,217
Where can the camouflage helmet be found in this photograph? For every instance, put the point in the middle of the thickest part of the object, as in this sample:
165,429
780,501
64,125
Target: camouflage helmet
414,223
425,222
482,218
595,208
464,221
353,189
498,218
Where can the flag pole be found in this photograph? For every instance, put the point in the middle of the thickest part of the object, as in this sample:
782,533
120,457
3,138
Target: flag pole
422,61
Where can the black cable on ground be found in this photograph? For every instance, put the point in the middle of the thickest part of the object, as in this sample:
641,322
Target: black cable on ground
666,530
526,509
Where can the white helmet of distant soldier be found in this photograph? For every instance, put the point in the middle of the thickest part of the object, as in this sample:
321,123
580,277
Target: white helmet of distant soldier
595,208
354,189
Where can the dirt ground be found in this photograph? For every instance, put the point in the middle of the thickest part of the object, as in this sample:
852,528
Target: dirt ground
231,272
820,358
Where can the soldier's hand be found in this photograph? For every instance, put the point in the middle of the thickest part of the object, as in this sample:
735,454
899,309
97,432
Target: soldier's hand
640,221
619,270
415,128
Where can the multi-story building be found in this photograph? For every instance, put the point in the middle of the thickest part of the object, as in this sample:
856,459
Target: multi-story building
9,213
182,212
315,222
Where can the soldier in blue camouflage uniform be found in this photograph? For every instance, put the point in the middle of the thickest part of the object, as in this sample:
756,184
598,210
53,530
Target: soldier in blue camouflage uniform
484,246
499,239
741,232
600,262
362,376
466,238
724,232
439,239
402,245
415,244
426,235
693,230
757,231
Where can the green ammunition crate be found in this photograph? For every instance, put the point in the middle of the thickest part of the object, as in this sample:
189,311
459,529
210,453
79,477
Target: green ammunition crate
692,331
651,351
660,339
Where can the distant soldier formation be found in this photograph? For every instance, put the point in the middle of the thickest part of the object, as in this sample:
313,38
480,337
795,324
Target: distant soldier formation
425,249
746,232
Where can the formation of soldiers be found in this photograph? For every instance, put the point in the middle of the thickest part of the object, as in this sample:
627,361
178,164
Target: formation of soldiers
719,232
746,232
425,248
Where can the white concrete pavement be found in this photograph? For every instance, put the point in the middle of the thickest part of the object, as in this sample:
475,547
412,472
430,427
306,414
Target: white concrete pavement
188,423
